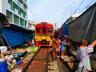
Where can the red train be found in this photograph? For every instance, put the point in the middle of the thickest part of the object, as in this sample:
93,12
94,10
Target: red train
43,31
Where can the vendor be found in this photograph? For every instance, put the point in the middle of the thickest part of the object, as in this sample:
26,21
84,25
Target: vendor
84,56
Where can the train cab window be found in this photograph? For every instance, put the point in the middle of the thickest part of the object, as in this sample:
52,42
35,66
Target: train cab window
37,29
43,29
50,30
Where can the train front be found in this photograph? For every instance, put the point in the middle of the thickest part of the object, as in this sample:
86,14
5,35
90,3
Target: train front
42,34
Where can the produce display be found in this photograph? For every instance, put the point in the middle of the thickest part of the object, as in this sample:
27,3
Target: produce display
19,56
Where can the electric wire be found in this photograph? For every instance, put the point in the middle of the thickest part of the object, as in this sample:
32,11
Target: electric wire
34,15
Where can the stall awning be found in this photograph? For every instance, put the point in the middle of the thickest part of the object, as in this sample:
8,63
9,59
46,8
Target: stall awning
15,38
64,30
12,38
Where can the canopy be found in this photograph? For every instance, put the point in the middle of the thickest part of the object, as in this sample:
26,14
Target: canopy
64,29
15,35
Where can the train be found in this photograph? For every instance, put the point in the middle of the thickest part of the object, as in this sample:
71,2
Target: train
43,31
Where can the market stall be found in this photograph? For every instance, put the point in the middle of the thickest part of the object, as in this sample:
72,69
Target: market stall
13,44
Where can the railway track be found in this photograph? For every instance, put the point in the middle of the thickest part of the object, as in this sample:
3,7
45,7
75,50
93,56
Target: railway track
39,63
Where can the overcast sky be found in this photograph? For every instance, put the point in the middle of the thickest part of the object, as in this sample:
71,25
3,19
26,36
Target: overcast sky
55,11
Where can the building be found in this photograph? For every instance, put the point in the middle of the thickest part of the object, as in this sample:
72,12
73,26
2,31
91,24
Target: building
31,25
15,11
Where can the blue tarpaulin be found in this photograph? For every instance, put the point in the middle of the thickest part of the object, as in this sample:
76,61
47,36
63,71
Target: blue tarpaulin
14,38
64,30
27,37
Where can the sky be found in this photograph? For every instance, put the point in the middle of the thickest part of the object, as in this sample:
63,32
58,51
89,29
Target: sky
56,11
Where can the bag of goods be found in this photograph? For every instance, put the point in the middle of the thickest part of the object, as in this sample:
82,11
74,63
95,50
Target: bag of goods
18,61
9,57
17,70
11,64
3,49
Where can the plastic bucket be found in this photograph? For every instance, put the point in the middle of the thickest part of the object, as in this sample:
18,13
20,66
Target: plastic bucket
3,66
19,62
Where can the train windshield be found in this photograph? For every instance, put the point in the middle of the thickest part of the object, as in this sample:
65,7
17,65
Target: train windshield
50,30
37,30
43,30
